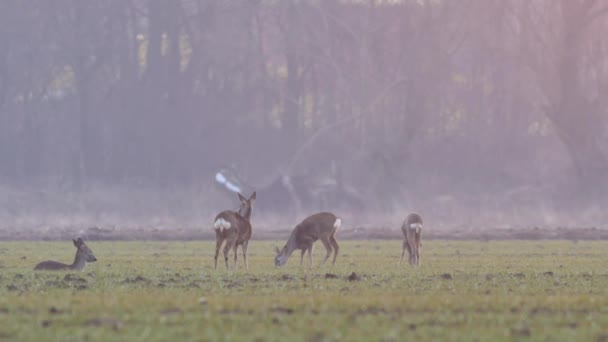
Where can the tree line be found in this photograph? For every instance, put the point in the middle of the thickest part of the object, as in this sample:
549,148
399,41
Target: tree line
383,100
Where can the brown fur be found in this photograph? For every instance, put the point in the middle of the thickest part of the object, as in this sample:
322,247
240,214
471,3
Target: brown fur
320,226
83,255
411,239
239,232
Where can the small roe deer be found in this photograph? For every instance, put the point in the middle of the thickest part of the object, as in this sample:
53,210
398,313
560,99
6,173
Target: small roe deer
321,226
83,255
411,229
235,229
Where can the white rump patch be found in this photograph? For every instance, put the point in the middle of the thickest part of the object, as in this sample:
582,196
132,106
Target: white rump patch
221,224
337,223
417,226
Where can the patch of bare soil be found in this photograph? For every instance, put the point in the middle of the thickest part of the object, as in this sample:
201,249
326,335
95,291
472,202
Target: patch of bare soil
138,279
262,232
287,277
109,322
354,277
282,310
54,311
73,278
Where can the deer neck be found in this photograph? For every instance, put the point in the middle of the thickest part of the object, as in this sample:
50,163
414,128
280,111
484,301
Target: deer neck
246,213
292,243
79,262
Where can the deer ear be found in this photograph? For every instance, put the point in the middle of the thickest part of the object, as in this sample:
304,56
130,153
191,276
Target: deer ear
76,243
252,197
242,198
276,249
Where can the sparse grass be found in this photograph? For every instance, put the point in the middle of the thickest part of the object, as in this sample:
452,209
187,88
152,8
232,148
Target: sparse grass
147,291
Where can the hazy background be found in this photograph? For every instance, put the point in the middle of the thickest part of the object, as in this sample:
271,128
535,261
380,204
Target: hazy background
475,113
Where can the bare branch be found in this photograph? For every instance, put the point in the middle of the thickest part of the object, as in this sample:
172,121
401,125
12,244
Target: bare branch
596,15
367,111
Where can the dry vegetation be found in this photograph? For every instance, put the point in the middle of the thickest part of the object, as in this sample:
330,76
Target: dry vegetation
544,290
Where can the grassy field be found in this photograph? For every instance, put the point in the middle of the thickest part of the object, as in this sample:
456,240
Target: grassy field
464,290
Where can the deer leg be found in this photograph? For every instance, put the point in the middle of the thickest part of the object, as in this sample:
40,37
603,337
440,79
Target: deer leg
302,257
334,243
418,246
310,255
410,250
327,249
403,248
244,248
236,247
229,244
218,245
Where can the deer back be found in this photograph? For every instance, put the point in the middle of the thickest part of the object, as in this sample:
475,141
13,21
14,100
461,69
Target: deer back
83,255
230,222
51,265
412,227
316,226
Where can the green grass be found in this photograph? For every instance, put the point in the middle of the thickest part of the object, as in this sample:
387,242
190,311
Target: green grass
497,291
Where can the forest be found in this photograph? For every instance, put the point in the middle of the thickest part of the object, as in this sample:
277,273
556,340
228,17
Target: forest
481,113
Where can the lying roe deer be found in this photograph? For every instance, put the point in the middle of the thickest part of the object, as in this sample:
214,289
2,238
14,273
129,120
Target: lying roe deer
235,229
411,229
83,255
320,226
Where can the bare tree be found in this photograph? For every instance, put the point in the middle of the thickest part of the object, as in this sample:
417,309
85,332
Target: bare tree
557,40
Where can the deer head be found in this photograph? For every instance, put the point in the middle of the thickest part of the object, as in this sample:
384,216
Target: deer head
84,250
246,205
281,258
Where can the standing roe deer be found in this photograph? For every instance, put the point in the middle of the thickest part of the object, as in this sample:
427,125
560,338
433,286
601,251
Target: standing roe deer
411,229
321,226
83,255
235,229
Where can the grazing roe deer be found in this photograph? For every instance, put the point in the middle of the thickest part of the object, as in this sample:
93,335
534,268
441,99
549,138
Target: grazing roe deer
83,255
411,229
235,229
320,226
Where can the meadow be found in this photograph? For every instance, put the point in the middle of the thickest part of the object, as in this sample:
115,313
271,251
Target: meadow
159,291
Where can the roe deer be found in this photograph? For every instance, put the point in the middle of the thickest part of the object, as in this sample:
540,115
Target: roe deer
83,255
235,229
411,229
321,226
